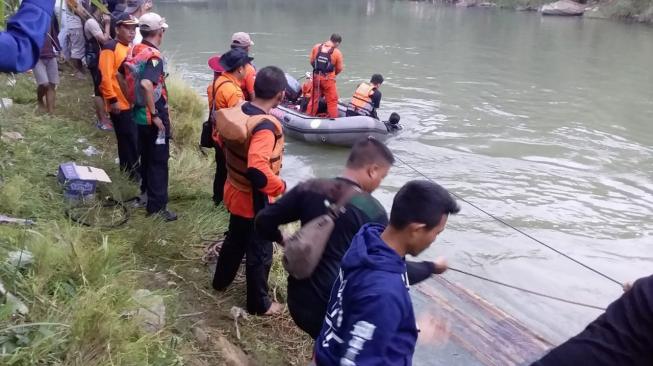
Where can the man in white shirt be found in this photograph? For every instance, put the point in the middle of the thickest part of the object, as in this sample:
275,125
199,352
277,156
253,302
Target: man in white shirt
96,36
73,11
137,8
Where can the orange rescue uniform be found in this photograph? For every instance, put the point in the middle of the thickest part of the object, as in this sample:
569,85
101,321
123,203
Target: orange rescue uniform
325,84
247,85
228,94
307,89
111,57
258,172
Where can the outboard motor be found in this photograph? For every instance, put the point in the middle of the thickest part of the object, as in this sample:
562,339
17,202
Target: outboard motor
293,89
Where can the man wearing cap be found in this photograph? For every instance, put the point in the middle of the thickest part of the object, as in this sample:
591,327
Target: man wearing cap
111,57
151,115
228,93
243,41
137,8
220,167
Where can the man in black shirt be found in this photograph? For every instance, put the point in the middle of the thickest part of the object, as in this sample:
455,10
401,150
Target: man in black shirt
367,165
622,336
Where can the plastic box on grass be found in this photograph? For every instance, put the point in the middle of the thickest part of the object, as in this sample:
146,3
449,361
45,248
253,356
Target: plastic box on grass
79,182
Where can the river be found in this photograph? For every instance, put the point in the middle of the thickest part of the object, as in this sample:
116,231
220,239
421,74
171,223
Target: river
545,122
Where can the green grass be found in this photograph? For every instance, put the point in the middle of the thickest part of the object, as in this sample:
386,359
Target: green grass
79,287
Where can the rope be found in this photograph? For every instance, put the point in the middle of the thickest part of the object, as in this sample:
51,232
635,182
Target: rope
108,203
528,291
517,229
212,251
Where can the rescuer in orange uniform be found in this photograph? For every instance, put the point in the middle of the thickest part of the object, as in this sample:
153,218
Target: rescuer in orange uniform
326,60
112,55
243,41
366,98
253,145
307,92
226,92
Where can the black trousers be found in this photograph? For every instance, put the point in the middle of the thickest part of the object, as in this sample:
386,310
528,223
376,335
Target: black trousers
97,79
306,309
127,138
154,168
242,240
220,175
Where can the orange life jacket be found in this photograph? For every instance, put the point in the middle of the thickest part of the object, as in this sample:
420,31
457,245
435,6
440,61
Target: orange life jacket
219,103
361,102
235,128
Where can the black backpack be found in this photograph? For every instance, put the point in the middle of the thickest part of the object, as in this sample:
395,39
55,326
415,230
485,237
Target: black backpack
322,63
92,54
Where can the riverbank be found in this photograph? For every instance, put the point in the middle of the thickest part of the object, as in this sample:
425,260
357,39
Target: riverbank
79,292
628,10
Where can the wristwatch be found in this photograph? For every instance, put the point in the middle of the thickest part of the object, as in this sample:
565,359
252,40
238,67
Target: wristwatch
154,114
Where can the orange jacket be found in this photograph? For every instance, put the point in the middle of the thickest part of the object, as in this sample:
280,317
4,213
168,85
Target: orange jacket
228,94
261,149
336,58
307,88
247,85
111,57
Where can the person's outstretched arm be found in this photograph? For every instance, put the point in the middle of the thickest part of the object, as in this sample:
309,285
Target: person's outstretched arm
21,44
283,211
622,335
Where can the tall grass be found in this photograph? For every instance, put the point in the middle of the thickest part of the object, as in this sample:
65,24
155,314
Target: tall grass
187,112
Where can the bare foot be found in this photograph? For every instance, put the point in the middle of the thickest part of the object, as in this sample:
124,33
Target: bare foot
274,309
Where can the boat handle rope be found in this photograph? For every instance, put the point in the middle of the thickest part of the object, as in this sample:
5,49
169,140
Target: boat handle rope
498,219
551,297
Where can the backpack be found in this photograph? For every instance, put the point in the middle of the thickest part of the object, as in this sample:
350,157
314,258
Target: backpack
92,53
133,67
304,249
206,137
322,63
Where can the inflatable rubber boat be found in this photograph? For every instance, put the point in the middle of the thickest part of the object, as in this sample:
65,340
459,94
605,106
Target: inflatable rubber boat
341,131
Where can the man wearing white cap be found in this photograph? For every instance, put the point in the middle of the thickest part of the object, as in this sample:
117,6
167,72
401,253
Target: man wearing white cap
151,115
243,41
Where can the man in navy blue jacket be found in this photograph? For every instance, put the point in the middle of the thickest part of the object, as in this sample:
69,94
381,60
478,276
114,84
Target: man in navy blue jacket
21,44
368,164
370,318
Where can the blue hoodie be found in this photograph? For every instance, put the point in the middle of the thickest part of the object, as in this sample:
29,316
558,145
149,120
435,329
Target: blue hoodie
370,319
21,44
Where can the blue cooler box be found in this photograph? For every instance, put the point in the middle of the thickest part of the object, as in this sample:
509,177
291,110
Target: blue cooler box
80,181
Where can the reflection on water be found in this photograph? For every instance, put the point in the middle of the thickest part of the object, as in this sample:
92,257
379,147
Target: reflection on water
545,122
